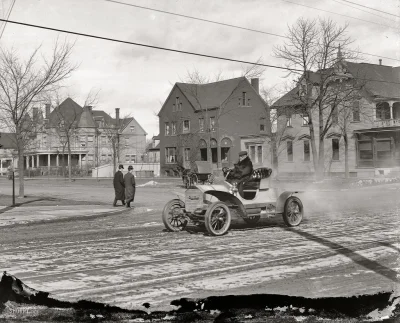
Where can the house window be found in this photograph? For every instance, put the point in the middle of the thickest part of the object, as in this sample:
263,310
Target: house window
335,149
90,157
201,124
170,155
288,120
383,111
82,141
256,153
173,128
262,124
356,111
306,119
90,139
186,125
167,129
225,154
244,99
132,128
365,149
212,123
289,150
103,140
306,150
187,154
335,116
103,157
383,149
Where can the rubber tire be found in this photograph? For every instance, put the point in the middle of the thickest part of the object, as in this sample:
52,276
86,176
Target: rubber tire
285,214
207,218
253,220
168,225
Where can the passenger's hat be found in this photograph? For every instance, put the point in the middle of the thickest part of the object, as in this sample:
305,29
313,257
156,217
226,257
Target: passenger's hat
121,167
243,153
130,167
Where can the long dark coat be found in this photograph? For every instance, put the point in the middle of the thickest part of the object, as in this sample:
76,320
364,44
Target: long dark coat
119,186
242,170
130,186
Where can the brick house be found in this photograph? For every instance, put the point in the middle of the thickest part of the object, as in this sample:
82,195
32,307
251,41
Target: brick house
90,138
207,121
374,127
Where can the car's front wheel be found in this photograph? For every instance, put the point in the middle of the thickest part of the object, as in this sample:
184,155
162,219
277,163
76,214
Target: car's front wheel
173,215
293,211
218,218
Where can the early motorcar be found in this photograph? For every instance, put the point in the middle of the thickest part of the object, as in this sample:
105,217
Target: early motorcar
214,205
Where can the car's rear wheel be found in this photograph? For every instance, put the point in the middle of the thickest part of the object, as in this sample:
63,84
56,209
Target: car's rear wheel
252,219
173,215
218,218
293,211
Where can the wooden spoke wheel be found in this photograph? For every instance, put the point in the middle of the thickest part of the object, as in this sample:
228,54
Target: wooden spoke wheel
218,218
293,211
173,215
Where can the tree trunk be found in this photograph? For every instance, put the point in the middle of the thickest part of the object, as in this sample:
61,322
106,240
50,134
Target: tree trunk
313,148
346,155
21,172
69,162
321,158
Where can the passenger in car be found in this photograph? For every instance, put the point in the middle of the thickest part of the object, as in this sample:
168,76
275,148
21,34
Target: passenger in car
242,171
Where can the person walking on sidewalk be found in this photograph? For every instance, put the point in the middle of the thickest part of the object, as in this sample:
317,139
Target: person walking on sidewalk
119,186
130,186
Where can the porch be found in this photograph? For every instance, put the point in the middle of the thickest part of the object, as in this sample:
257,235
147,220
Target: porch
378,147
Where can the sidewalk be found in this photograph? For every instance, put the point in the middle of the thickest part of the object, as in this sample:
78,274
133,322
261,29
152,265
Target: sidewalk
39,209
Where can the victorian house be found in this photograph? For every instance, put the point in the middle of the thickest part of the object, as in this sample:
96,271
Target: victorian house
373,125
213,122
92,135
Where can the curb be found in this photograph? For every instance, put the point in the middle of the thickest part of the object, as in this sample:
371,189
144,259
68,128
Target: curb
66,219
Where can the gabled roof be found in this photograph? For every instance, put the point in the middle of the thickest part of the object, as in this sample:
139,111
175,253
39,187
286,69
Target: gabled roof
68,110
86,120
8,141
388,74
210,95
384,87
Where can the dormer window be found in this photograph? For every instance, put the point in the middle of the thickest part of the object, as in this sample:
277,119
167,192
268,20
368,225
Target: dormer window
132,128
303,89
288,120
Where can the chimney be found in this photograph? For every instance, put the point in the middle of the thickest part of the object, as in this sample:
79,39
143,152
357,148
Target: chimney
255,83
89,107
117,115
380,61
47,111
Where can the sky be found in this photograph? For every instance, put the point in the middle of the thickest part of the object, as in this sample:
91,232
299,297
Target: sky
138,80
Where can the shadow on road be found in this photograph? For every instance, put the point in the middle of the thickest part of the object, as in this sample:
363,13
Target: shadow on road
8,208
354,256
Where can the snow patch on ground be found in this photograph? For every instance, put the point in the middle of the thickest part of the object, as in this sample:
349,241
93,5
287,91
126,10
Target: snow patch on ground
150,183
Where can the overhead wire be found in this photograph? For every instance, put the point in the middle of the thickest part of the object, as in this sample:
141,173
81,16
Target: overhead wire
227,25
8,16
339,14
167,49
360,5
369,12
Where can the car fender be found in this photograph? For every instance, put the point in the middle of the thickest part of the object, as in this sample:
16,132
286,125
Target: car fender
180,196
228,198
280,202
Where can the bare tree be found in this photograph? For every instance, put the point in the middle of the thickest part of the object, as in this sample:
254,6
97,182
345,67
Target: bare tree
314,50
23,84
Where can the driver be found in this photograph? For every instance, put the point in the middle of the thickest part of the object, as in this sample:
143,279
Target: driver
242,171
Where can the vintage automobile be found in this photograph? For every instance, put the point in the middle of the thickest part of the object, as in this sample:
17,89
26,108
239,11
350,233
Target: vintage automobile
214,205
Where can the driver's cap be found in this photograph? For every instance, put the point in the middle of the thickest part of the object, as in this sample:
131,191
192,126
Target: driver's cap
243,153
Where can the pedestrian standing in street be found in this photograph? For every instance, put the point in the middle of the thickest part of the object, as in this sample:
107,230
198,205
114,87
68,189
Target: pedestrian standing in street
130,186
119,186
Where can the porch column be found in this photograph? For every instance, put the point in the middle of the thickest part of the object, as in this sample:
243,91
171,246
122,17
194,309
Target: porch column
69,159
48,161
391,110
1,166
33,161
80,160
37,161
57,159
27,162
